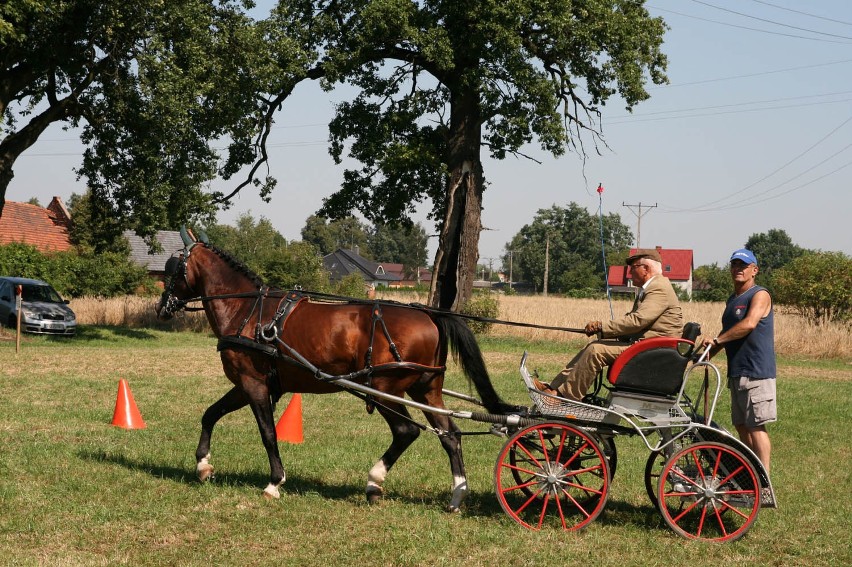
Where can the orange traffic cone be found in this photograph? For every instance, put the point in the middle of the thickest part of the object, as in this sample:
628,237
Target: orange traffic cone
289,427
126,413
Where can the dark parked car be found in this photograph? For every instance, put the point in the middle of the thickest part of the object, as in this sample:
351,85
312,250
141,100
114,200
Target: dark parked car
42,309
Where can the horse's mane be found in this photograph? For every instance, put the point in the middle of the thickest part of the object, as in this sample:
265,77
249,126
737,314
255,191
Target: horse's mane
238,265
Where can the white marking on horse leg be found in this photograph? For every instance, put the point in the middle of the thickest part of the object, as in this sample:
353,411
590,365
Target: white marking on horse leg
271,491
203,469
375,479
460,491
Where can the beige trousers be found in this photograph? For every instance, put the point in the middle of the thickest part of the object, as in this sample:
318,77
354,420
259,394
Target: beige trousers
579,374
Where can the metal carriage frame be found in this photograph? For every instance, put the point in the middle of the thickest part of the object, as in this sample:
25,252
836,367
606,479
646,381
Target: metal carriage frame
557,465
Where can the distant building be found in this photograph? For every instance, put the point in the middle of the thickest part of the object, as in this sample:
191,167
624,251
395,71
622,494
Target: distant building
407,278
140,255
46,228
677,266
342,263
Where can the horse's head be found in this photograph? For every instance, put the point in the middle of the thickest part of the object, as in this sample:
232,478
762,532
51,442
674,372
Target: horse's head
179,289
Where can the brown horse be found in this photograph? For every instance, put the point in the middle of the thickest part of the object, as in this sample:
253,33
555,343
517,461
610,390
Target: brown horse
273,342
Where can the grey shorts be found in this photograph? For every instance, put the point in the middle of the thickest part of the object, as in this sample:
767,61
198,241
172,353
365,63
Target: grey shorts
752,401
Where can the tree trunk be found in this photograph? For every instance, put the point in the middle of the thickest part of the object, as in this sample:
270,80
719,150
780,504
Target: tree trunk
458,243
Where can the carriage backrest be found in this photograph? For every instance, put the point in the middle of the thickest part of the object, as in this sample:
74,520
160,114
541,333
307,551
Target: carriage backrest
655,366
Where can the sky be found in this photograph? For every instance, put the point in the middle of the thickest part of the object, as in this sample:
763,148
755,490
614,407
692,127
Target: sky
752,133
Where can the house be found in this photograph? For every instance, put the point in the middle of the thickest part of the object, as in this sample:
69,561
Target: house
342,263
140,254
46,228
407,278
677,266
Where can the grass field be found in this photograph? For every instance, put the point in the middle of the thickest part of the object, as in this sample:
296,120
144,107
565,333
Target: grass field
76,491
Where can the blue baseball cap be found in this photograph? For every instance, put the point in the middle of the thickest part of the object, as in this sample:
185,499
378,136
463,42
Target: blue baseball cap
744,255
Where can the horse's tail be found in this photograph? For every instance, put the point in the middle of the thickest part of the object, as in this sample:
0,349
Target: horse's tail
466,352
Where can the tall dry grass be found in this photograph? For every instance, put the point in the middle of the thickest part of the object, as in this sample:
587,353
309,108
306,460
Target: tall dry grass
133,311
794,335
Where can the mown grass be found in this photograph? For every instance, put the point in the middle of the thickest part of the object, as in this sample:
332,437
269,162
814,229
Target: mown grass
76,491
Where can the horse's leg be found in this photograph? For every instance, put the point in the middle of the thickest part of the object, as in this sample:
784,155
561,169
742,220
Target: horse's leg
233,400
261,407
404,431
450,441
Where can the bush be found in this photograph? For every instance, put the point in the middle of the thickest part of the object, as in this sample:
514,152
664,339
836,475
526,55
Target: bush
481,304
818,285
351,286
74,275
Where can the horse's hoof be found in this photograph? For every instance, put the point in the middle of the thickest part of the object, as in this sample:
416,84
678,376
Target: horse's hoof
453,509
374,495
271,492
204,472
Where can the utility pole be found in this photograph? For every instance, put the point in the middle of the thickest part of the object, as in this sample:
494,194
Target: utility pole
510,268
639,215
546,264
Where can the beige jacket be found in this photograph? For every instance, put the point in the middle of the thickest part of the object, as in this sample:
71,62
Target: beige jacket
656,313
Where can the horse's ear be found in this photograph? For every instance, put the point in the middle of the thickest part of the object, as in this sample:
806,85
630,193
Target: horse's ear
202,236
184,235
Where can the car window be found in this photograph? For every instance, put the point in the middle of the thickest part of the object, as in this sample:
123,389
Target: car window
41,293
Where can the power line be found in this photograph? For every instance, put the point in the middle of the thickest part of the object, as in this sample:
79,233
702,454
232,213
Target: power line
737,192
770,21
701,115
750,75
639,216
734,104
747,28
745,201
803,13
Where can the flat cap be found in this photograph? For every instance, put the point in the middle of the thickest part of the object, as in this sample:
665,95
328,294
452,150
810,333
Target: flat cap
650,253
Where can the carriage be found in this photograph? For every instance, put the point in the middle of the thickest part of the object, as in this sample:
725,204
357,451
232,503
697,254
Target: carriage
556,467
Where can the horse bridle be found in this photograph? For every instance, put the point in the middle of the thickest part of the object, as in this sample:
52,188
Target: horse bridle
172,304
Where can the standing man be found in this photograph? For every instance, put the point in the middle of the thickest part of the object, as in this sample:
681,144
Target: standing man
748,336
656,313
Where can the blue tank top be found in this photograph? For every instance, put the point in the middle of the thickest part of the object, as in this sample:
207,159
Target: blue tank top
754,354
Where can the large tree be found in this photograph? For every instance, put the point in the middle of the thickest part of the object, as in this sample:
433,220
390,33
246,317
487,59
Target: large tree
441,80
155,86
567,242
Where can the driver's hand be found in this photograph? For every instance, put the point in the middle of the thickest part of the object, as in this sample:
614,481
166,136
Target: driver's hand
593,327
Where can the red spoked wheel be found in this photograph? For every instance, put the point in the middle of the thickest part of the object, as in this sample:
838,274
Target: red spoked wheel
552,475
709,491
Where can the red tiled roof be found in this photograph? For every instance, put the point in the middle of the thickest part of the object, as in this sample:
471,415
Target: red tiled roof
44,228
399,270
677,266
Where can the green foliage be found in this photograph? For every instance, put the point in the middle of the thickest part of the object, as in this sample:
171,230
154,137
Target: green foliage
23,261
574,248
711,283
75,274
96,224
256,243
481,304
399,244
263,249
818,285
351,286
327,236
297,265
155,85
774,249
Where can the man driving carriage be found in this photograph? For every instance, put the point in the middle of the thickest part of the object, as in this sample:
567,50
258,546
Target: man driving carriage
656,312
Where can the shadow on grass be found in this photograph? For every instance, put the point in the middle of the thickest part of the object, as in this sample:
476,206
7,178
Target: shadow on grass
93,333
180,475
477,504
